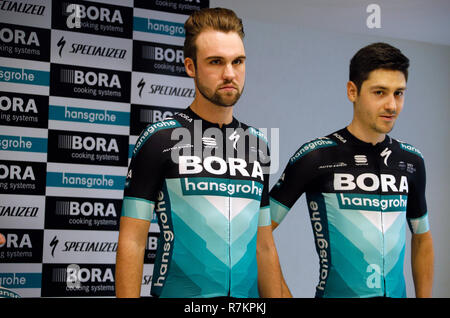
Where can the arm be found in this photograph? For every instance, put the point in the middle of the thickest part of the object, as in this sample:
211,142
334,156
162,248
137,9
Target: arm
130,256
269,271
285,292
422,261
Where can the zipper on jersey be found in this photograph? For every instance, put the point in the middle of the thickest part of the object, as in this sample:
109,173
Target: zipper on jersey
383,265
229,217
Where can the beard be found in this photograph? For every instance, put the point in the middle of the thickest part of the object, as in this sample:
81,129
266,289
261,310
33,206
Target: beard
227,99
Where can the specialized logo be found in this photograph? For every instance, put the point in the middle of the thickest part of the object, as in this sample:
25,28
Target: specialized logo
19,211
61,43
54,242
370,182
22,7
234,137
385,154
92,50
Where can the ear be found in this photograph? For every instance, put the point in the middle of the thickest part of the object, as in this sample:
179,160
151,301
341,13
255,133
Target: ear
189,66
352,91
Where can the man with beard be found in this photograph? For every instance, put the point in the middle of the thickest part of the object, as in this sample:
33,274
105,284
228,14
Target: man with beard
209,191
362,188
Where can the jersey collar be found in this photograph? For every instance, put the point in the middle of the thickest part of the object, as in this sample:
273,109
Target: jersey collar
207,124
355,141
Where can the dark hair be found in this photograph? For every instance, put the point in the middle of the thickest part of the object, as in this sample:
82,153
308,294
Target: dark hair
219,19
376,56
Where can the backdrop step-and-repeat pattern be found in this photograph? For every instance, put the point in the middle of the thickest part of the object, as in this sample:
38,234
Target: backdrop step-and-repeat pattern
79,80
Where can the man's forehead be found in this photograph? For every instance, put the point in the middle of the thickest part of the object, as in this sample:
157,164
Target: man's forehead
386,78
218,43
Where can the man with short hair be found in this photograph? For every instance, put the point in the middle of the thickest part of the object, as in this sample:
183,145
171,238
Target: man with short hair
209,190
362,188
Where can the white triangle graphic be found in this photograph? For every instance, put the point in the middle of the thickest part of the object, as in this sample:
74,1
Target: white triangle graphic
221,203
238,205
389,218
374,218
384,222
229,207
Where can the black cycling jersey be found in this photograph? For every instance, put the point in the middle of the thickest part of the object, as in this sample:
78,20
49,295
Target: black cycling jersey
209,189
359,198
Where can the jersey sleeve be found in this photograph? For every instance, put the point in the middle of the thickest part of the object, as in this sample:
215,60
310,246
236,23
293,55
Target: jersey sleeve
293,182
416,212
263,158
145,175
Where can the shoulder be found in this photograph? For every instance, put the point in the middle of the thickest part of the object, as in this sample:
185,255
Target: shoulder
158,132
406,149
313,147
252,131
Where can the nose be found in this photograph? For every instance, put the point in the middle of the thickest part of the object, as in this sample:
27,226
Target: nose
228,72
391,104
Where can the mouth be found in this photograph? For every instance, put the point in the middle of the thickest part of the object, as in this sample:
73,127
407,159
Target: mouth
227,88
388,117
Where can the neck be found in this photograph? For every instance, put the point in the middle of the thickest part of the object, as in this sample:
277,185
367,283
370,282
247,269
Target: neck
364,134
213,113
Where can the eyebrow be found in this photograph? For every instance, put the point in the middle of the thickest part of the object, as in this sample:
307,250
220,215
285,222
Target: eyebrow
403,88
243,57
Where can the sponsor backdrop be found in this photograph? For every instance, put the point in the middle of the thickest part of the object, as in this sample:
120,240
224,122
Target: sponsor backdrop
79,80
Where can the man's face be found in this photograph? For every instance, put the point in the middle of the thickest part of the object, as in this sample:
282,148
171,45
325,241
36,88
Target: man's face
379,101
220,71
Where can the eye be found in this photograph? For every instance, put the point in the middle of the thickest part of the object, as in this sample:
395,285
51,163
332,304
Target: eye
238,61
399,93
215,62
379,93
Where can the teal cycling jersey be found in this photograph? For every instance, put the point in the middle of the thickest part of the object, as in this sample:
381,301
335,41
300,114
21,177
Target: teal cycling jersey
360,197
208,186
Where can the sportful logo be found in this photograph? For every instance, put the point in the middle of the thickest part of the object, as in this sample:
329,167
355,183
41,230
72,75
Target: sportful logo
209,142
360,160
